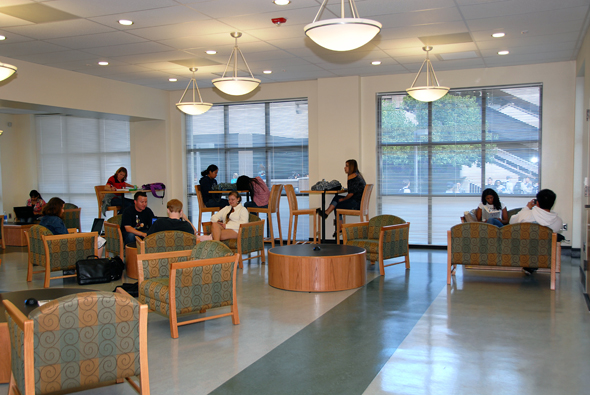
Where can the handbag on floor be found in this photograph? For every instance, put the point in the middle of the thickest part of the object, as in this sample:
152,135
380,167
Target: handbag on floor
95,270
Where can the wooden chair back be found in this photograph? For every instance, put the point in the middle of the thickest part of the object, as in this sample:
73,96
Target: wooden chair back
275,197
199,196
365,202
291,198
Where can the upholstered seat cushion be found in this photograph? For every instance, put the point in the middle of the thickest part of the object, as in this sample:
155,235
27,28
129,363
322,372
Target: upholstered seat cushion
372,247
154,292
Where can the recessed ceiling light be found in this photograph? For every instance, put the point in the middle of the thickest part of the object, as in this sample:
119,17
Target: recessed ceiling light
125,22
103,63
210,52
281,2
172,79
376,62
503,52
2,37
267,71
498,35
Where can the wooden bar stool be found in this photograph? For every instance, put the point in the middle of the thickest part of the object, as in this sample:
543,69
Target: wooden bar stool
202,207
363,213
273,207
294,213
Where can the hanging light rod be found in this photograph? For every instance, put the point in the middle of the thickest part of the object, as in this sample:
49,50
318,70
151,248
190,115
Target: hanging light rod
429,92
235,85
194,107
342,34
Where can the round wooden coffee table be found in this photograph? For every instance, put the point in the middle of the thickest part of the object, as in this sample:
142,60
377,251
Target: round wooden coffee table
333,267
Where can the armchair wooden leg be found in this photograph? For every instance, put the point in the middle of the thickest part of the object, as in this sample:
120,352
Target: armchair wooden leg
144,382
408,260
12,390
381,266
47,276
120,381
235,317
295,230
30,272
173,325
262,256
240,262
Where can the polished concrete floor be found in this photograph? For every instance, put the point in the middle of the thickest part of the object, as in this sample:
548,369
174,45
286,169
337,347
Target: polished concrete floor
405,333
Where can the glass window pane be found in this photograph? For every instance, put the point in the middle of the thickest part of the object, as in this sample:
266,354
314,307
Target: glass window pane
457,117
456,169
403,120
206,130
513,168
413,210
288,124
247,125
513,114
404,169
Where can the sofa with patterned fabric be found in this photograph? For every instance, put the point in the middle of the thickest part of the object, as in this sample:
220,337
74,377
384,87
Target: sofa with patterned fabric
384,237
78,340
189,282
525,245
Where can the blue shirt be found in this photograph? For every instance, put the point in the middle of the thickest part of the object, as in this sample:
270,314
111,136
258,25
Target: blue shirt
55,224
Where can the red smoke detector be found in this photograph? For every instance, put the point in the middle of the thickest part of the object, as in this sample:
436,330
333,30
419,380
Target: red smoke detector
278,21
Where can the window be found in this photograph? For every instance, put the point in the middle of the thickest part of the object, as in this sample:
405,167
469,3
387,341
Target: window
75,154
266,139
436,158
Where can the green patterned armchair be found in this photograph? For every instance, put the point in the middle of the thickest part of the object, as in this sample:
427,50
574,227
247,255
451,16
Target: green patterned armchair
78,340
250,239
526,245
71,216
188,282
57,252
384,237
113,236
166,241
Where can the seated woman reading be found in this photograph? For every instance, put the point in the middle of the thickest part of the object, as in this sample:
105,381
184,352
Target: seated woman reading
226,222
490,209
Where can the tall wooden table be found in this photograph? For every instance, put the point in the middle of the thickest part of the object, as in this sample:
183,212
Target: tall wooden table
323,193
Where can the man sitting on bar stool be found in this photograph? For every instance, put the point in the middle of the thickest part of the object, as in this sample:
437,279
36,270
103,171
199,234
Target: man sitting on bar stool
136,219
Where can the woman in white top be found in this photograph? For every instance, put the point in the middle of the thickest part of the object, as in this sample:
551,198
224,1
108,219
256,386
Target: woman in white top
490,209
226,222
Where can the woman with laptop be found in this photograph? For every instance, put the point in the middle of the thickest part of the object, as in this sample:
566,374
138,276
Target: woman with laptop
36,201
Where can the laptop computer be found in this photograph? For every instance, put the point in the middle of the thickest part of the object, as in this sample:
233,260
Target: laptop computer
97,225
24,215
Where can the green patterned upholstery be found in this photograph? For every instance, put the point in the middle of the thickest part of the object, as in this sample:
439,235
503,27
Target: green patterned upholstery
36,248
517,245
113,236
252,237
512,212
71,216
17,352
65,252
196,288
169,240
116,219
80,339
366,235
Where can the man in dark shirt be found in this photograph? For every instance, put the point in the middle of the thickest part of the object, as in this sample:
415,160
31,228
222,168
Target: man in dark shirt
136,219
176,219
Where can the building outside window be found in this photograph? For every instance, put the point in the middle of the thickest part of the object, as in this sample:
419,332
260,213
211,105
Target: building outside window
435,159
263,139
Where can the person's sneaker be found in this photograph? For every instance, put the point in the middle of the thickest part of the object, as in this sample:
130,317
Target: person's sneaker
528,271
321,213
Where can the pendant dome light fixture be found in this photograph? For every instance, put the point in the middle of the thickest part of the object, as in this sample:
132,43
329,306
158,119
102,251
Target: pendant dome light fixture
430,92
236,86
194,107
6,70
342,34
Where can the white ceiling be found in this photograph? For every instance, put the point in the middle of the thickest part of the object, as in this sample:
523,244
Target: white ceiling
537,31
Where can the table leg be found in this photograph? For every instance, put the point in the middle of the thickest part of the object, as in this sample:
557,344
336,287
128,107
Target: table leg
323,219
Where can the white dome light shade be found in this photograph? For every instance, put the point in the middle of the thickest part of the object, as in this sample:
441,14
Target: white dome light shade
342,34
236,86
427,93
6,70
194,108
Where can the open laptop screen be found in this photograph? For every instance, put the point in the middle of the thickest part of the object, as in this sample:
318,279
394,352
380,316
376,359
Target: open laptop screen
97,225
